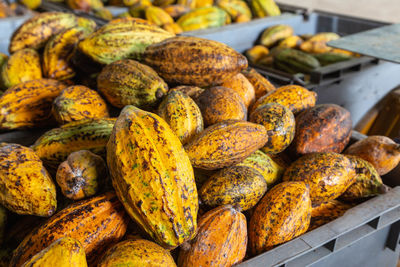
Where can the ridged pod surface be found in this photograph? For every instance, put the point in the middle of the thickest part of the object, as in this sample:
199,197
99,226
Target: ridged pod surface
280,124
265,165
237,9
327,174
35,32
79,102
194,61
96,223
126,39
243,87
264,8
182,114
54,146
28,104
59,50
323,128
203,18
139,252
21,66
368,182
153,177
193,91
219,104
158,16
326,212
128,82
64,252
260,84
221,239
26,186
81,175
273,34
282,214
239,186
294,97
381,151
225,144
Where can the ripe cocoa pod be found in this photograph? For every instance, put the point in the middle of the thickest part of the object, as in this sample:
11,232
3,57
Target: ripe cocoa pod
325,212
261,84
221,239
225,144
219,104
127,82
194,61
323,128
27,187
280,124
243,87
282,214
327,174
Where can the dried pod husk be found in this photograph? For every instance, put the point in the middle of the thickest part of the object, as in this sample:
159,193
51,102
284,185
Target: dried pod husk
78,103
225,144
28,104
282,214
323,128
128,82
221,239
125,38
27,187
21,66
54,146
35,32
381,151
368,182
81,175
65,251
59,50
138,252
325,212
97,223
194,61
327,174
265,165
294,97
182,114
143,146
280,124
239,186
219,104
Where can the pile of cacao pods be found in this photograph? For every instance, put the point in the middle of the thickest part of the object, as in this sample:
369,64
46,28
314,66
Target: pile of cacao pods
177,154
279,48
183,15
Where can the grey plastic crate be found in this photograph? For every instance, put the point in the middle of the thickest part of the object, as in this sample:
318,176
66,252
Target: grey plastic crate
366,235
8,26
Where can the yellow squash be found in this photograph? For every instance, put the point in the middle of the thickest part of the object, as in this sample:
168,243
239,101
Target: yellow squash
64,252
182,114
153,177
78,103
26,186
225,144
22,66
28,104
